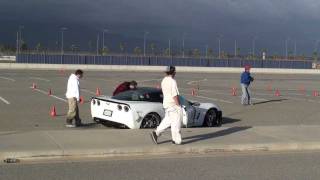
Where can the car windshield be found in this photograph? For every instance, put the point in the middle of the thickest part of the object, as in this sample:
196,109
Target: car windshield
140,94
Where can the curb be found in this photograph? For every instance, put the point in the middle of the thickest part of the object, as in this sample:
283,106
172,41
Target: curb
133,68
158,150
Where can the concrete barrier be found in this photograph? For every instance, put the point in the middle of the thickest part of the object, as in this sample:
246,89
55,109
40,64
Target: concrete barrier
7,58
153,68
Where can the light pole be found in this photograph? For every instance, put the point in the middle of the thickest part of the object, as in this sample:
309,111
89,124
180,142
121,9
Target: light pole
104,31
254,45
219,41
145,42
97,44
235,48
207,51
295,49
62,38
286,44
20,38
169,47
183,36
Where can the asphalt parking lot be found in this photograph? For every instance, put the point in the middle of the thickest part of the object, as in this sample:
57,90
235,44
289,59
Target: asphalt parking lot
25,109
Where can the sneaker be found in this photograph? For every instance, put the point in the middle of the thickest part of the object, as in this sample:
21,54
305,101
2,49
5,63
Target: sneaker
154,137
70,125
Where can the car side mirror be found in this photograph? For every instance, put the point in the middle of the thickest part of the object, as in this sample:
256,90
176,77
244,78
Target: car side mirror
195,104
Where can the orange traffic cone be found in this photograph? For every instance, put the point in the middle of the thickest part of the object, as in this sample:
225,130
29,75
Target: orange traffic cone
193,92
315,93
277,93
269,88
34,86
81,100
98,92
234,91
53,112
49,92
302,89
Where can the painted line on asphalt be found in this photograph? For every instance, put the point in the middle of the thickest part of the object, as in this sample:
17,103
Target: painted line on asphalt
87,91
6,78
197,81
220,100
148,80
46,93
41,79
4,100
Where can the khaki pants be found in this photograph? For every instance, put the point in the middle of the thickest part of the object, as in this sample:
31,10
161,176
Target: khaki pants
73,112
173,118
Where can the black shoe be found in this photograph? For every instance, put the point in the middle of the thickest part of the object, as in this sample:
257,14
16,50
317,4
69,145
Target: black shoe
154,137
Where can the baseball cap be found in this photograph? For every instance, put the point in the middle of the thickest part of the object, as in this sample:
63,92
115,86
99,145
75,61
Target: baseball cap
170,69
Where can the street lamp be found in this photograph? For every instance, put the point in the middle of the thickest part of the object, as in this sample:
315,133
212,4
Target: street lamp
144,42
104,31
286,44
183,37
219,41
254,45
62,38
20,38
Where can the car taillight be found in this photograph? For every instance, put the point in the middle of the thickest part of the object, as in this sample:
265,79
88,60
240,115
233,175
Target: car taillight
126,108
93,101
98,102
119,107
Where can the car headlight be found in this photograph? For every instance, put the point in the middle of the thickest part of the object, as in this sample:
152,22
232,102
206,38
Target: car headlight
119,107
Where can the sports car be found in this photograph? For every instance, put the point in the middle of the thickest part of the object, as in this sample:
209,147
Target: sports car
142,108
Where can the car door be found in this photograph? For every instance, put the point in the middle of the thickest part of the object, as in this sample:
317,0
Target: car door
188,112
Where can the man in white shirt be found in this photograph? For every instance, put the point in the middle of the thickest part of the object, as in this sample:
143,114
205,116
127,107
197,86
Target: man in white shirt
171,104
73,96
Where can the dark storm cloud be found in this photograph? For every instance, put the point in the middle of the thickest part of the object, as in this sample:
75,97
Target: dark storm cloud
236,19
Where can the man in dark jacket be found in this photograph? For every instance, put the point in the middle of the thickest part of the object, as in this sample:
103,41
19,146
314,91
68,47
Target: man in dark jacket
246,79
125,86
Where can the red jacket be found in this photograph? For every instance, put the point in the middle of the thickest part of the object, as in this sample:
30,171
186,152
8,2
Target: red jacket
125,86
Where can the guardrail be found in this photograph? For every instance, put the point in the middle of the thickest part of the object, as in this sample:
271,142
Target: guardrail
160,61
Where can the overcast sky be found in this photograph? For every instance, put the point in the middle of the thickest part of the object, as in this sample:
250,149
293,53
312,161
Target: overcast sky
270,21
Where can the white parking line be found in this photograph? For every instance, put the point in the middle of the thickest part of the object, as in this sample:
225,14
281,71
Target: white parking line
6,78
148,80
4,100
41,79
87,91
198,81
46,93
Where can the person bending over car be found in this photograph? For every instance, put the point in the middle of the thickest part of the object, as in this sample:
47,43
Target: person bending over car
125,86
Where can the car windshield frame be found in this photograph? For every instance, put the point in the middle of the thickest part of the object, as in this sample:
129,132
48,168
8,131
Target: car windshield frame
142,94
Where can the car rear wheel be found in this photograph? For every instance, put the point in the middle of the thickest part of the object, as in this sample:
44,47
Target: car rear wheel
211,119
151,120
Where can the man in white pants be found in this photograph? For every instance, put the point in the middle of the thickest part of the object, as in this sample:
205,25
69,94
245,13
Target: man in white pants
171,104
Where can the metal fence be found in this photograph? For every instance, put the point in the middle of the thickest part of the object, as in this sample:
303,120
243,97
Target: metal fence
160,61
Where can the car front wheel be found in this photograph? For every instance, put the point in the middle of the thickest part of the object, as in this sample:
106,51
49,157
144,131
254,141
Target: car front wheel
211,119
151,120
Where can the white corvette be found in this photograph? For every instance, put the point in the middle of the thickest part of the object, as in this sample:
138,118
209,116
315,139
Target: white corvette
142,108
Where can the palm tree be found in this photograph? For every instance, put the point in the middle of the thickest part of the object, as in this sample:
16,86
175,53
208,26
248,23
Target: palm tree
137,51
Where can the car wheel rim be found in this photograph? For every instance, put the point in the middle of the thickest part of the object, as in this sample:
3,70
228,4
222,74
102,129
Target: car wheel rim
211,118
151,121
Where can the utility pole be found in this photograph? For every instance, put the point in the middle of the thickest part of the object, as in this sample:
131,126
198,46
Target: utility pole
62,38
183,37
145,42
97,44
235,48
169,47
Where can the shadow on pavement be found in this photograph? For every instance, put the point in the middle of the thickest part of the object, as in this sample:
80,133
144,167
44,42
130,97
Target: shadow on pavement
201,137
269,101
88,125
227,120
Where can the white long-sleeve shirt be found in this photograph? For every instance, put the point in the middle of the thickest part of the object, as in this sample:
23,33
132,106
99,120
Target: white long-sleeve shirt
73,87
